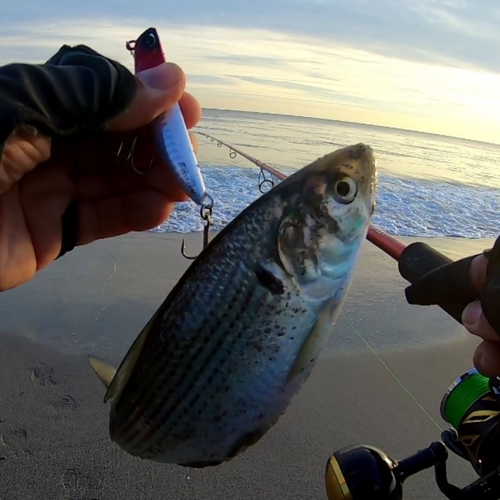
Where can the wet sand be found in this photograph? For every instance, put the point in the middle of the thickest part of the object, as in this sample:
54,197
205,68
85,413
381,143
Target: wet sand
53,423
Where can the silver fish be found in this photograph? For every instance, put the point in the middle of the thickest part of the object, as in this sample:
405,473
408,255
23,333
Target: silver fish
233,342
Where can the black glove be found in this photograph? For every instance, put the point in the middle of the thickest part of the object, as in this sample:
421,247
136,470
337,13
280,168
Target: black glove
75,90
437,280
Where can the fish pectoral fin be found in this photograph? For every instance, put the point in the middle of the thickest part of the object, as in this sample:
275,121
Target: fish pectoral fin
104,371
315,341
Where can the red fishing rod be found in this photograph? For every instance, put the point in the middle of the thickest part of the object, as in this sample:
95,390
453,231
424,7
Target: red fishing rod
388,244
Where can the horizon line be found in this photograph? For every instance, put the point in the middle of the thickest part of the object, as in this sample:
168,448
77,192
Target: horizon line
357,123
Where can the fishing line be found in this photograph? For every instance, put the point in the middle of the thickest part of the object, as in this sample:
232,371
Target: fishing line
379,238
391,373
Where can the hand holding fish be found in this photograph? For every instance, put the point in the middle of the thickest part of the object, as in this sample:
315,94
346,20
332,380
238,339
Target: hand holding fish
487,354
63,181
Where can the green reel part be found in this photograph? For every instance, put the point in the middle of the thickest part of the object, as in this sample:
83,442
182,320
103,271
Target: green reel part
461,395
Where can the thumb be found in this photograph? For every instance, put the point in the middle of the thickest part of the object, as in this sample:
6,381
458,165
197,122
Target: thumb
158,89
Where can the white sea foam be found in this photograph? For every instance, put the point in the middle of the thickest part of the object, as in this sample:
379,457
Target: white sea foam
428,185
405,206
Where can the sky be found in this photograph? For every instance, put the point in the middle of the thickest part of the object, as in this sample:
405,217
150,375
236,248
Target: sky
426,65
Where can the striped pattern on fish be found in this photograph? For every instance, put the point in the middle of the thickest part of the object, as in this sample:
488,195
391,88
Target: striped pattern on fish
232,343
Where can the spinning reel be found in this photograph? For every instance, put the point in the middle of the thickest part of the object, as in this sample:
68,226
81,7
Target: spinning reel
472,407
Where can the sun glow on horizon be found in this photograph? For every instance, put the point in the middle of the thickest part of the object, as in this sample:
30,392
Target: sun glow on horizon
264,71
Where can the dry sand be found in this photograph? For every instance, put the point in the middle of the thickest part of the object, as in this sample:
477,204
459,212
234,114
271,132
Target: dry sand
53,423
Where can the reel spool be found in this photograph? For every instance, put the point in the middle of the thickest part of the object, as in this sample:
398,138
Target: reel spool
471,406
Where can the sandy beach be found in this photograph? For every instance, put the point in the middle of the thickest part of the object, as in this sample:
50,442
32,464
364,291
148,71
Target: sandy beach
380,382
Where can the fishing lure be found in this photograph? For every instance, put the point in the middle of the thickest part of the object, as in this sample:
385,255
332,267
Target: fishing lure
173,138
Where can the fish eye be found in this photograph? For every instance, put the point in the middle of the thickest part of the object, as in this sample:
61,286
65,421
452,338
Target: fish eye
345,190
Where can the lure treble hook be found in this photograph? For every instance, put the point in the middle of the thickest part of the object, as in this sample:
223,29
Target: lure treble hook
130,158
206,215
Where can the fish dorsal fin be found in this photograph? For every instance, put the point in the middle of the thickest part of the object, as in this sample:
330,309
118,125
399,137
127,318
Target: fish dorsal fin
104,371
120,377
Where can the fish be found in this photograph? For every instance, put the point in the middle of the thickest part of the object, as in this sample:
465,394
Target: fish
172,137
233,342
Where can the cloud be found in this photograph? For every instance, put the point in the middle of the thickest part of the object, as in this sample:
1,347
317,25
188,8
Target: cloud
426,65
460,32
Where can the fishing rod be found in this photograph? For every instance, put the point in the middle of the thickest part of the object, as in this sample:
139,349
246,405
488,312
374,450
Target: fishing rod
387,243
471,405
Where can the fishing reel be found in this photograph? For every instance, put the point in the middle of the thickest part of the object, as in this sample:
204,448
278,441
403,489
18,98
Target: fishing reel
471,406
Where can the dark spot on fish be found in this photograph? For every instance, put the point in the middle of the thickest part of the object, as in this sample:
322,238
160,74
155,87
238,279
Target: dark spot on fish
267,330
256,345
269,281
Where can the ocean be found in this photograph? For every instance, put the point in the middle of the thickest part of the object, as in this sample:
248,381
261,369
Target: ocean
429,185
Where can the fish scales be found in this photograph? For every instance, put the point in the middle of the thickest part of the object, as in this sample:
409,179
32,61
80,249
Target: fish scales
214,329
238,335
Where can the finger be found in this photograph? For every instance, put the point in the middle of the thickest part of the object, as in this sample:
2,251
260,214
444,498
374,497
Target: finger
109,217
23,150
487,358
158,89
477,272
191,109
194,142
43,198
476,323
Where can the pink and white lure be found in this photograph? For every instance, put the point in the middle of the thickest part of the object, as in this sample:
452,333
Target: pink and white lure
173,138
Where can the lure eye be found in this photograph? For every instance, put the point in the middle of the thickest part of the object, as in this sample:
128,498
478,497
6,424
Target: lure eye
150,40
345,190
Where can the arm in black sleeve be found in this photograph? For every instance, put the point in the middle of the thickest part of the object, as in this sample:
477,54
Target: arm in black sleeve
75,90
